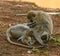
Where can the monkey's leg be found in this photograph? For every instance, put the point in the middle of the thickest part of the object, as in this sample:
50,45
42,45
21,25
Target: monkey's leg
45,36
20,38
49,33
24,38
38,38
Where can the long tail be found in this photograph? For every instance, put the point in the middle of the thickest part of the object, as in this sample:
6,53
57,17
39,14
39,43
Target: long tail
9,40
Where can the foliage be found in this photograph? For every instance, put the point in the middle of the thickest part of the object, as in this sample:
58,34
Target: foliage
45,52
33,5
1,22
58,15
33,50
36,50
4,29
57,40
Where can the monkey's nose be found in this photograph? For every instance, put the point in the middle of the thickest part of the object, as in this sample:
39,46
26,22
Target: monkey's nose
31,20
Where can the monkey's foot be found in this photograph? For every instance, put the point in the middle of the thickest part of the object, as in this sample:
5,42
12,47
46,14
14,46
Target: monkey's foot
20,38
43,46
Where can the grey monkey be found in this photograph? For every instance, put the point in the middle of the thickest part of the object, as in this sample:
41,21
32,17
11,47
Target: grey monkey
43,24
20,32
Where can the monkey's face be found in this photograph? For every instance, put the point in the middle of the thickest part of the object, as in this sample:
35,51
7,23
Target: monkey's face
37,16
31,15
34,16
45,36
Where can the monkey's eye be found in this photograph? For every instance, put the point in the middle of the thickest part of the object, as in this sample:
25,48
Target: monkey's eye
31,20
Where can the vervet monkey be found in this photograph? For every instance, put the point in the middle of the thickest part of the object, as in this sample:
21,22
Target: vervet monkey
20,32
42,27
43,24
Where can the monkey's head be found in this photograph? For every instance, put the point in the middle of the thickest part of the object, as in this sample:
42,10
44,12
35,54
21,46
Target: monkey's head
31,15
45,36
36,16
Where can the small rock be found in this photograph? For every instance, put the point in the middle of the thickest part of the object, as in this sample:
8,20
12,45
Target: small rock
29,52
9,25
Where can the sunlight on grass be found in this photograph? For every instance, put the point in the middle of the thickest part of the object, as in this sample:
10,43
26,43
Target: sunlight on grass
34,5
36,50
4,29
58,15
57,39
1,22
45,52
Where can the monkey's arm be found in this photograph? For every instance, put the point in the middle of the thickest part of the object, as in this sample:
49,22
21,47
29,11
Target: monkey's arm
23,36
38,38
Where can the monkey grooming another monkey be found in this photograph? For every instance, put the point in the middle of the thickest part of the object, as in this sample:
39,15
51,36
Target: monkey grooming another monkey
43,24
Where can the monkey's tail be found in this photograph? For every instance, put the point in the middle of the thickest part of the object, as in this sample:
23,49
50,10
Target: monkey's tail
9,40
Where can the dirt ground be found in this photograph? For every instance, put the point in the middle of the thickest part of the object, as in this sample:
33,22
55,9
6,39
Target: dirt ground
8,11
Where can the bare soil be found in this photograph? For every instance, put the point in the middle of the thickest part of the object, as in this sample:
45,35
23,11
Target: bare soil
8,18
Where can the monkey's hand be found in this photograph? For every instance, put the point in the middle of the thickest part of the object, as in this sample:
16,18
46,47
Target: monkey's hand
33,24
44,45
20,38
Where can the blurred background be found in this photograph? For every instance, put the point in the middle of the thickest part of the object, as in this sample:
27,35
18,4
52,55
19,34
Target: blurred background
42,3
9,10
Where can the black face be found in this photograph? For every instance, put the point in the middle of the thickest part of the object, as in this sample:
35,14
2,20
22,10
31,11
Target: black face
44,38
30,16
31,20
